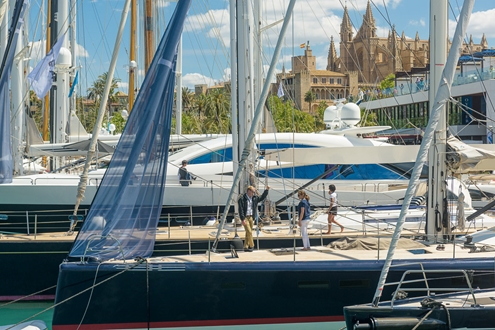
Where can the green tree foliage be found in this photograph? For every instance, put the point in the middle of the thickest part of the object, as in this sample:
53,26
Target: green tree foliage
95,93
368,118
217,112
118,121
319,123
289,119
388,82
310,97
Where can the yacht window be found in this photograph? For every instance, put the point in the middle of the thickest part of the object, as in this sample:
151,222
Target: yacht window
224,155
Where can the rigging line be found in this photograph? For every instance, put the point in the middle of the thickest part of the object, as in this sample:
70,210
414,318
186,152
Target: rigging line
197,39
487,95
209,20
90,296
387,19
465,109
30,295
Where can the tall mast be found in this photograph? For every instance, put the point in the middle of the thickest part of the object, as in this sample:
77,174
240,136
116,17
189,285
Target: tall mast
46,104
437,188
58,95
441,96
72,11
132,54
149,46
17,101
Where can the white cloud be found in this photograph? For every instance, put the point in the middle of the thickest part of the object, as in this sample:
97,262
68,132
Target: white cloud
123,86
192,79
479,23
420,22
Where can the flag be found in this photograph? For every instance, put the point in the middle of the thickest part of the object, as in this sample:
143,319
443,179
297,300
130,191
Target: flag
41,77
302,45
280,92
74,83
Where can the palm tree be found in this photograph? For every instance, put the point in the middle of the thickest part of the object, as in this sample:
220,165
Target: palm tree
199,105
95,92
218,112
310,97
187,98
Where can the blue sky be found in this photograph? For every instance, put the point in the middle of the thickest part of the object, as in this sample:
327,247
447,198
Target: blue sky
206,38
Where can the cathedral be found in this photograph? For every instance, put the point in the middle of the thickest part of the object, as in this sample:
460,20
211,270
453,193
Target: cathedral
373,58
364,61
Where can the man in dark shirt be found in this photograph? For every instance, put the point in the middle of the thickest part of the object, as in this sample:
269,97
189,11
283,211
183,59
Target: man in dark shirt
248,207
184,176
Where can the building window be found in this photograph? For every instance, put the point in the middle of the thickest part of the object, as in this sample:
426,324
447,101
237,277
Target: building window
339,81
332,81
317,96
323,80
315,80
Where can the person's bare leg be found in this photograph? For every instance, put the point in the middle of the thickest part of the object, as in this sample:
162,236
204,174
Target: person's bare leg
329,231
338,224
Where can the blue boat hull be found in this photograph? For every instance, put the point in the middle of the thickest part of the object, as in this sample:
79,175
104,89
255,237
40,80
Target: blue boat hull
167,295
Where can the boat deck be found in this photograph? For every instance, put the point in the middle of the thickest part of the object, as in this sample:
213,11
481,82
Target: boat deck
322,253
198,233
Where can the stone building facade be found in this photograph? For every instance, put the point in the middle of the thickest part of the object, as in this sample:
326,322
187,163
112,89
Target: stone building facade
325,84
374,58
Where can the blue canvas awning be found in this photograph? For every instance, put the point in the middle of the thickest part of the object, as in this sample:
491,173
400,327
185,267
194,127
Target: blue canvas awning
485,53
469,58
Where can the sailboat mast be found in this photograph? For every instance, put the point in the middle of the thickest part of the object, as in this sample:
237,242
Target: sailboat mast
149,47
441,97
46,103
256,119
132,54
437,188
233,83
58,95
72,11
17,101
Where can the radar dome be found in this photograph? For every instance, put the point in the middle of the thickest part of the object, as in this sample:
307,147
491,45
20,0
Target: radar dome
64,58
351,114
331,116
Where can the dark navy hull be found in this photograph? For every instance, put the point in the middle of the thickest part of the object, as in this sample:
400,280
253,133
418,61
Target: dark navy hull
45,257
202,294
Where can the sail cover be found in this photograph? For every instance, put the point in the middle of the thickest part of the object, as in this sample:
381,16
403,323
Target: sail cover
124,215
6,162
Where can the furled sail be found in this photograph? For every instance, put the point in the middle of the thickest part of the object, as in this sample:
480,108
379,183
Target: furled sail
124,215
6,162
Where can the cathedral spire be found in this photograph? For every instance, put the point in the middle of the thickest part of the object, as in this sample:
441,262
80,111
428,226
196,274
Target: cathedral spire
484,42
368,28
346,27
332,56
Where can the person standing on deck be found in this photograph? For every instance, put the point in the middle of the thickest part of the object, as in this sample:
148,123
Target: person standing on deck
332,209
184,176
303,211
248,206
